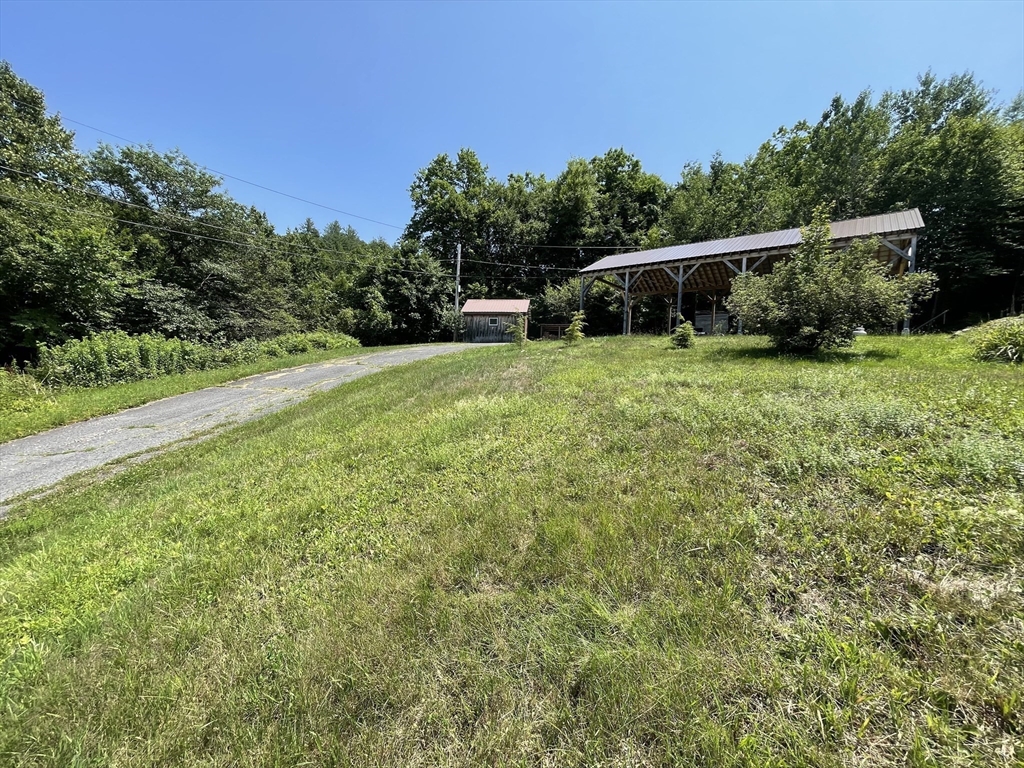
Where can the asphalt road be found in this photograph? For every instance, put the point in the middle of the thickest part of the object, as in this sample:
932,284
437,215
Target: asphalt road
37,462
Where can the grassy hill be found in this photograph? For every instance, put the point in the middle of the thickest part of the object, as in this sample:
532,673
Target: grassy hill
615,554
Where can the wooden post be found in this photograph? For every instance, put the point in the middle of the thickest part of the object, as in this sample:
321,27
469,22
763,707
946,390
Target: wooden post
679,298
458,272
714,309
625,306
739,321
911,267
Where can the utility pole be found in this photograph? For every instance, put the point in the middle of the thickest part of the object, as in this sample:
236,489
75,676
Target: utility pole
458,271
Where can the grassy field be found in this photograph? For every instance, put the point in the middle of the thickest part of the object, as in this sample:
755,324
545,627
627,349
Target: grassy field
616,554
44,409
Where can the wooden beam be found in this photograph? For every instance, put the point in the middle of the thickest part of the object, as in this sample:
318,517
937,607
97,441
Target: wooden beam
894,249
911,266
679,297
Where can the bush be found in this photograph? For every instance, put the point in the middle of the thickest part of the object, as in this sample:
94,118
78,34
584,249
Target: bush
574,332
684,335
114,357
818,296
518,331
999,340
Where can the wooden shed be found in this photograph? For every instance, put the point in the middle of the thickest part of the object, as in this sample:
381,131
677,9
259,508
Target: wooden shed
492,319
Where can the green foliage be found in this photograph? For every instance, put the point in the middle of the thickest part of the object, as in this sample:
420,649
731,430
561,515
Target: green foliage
998,340
401,296
816,298
574,333
145,242
19,392
559,301
517,329
114,357
142,241
684,335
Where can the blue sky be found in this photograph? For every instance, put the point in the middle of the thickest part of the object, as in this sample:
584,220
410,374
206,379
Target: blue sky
341,103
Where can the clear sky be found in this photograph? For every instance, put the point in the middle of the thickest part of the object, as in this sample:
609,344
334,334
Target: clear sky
341,103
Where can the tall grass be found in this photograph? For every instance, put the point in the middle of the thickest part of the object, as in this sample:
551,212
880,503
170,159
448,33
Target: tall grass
999,340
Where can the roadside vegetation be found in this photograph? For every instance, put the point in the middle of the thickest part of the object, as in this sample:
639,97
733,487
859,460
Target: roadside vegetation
115,357
608,553
109,372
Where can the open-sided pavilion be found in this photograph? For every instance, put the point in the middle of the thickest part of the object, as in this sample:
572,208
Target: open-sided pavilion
710,267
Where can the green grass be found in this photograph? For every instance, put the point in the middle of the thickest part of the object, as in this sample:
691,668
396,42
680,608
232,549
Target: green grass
32,408
613,554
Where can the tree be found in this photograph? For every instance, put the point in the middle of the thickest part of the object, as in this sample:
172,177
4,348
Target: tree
574,333
559,301
402,296
945,157
63,271
817,297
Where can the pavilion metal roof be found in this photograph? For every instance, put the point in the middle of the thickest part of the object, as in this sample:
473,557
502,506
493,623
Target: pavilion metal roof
784,239
496,307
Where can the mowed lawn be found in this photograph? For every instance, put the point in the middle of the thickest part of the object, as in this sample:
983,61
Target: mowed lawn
613,554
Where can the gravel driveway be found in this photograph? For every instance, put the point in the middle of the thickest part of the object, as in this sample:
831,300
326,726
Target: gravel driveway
36,462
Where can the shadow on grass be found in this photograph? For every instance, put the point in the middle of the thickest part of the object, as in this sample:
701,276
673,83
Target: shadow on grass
821,356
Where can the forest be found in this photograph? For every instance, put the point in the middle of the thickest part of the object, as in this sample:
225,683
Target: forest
128,238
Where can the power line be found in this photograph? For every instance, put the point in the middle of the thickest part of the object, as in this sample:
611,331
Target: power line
193,219
179,232
181,217
235,242
228,175
357,216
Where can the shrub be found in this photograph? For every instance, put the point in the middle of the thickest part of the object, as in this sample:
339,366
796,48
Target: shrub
999,340
574,333
518,331
684,335
817,297
294,343
114,357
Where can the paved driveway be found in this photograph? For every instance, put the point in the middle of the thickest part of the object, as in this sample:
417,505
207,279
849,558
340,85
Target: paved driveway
39,461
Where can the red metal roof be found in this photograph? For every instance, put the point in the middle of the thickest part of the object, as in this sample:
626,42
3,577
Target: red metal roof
496,307
884,224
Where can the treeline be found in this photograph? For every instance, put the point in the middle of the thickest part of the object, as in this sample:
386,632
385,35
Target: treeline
146,242
945,147
136,240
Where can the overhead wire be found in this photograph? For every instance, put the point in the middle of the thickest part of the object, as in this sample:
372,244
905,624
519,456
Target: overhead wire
283,250
348,213
309,249
129,222
228,175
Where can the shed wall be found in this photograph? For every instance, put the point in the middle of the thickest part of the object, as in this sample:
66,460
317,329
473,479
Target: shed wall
479,328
